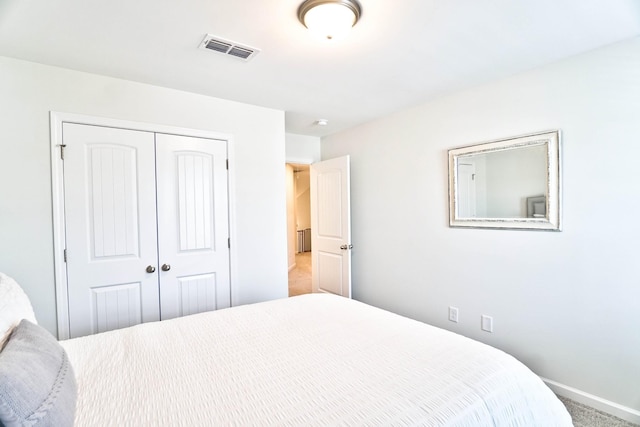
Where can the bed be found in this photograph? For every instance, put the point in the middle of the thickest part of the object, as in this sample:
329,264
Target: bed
309,360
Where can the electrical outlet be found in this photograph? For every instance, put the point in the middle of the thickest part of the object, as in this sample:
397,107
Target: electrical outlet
486,323
453,314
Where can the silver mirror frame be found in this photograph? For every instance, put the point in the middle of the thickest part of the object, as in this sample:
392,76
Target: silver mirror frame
553,217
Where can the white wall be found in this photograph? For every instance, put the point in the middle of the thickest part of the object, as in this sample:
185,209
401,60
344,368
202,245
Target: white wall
303,199
302,149
567,304
29,91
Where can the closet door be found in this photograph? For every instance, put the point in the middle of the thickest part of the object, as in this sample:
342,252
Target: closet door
193,225
110,221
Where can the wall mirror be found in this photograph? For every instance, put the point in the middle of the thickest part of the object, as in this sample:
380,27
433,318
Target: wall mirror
512,183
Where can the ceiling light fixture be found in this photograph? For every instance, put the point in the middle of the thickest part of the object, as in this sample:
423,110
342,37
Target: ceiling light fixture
329,19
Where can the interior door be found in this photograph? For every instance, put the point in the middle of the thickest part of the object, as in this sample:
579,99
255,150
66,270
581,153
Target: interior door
110,217
331,226
466,190
193,226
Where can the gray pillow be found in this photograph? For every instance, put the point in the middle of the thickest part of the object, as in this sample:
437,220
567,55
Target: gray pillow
37,383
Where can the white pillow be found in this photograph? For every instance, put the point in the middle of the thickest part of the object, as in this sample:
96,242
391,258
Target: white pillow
14,306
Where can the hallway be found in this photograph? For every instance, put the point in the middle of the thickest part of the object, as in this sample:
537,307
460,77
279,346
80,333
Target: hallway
300,276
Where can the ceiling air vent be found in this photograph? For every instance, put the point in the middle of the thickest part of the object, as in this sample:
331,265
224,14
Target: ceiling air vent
227,47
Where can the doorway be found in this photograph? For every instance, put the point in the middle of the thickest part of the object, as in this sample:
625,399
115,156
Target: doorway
299,229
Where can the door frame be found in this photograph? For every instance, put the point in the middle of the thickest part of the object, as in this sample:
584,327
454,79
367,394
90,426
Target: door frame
304,162
57,193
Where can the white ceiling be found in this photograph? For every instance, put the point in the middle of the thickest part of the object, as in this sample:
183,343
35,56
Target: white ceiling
401,53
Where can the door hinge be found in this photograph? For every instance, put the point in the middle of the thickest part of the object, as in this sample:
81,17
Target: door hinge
227,164
473,177
62,146
229,242
64,254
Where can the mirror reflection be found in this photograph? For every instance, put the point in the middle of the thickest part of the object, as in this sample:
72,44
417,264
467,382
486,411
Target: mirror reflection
501,184
511,183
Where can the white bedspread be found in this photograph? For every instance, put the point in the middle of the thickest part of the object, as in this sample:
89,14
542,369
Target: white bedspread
309,360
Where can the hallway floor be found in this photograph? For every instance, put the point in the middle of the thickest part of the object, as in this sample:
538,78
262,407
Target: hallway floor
300,276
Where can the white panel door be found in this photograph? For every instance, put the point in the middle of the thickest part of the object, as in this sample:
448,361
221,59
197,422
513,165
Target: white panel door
331,227
110,217
193,228
466,190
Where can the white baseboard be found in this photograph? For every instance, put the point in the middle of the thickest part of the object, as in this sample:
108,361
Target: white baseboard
292,266
620,411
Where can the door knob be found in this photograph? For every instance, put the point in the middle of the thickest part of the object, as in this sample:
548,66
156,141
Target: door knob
151,269
166,267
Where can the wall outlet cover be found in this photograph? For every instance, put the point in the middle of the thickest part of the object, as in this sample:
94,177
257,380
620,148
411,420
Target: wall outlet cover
486,323
453,314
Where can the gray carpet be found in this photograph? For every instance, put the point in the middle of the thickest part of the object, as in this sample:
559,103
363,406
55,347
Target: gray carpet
586,416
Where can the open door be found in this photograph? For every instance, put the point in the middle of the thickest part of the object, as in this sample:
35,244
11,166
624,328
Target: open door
467,190
331,226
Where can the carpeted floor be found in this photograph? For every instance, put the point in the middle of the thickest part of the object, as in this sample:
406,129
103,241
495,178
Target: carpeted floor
300,276
586,416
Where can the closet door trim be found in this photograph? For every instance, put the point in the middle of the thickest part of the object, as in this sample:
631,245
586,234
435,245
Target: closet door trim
57,190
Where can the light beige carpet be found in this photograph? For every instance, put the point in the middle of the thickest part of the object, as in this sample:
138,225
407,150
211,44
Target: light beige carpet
300,276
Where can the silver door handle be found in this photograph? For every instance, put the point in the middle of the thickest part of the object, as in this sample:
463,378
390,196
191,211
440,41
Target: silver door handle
345,247
166,267
151,269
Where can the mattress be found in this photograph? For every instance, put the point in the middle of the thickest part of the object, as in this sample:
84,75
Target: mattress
308,360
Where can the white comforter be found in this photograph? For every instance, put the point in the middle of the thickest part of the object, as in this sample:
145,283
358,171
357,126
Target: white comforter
308,360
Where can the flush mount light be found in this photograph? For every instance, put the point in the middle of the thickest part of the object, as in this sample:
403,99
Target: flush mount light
322,122
329,19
